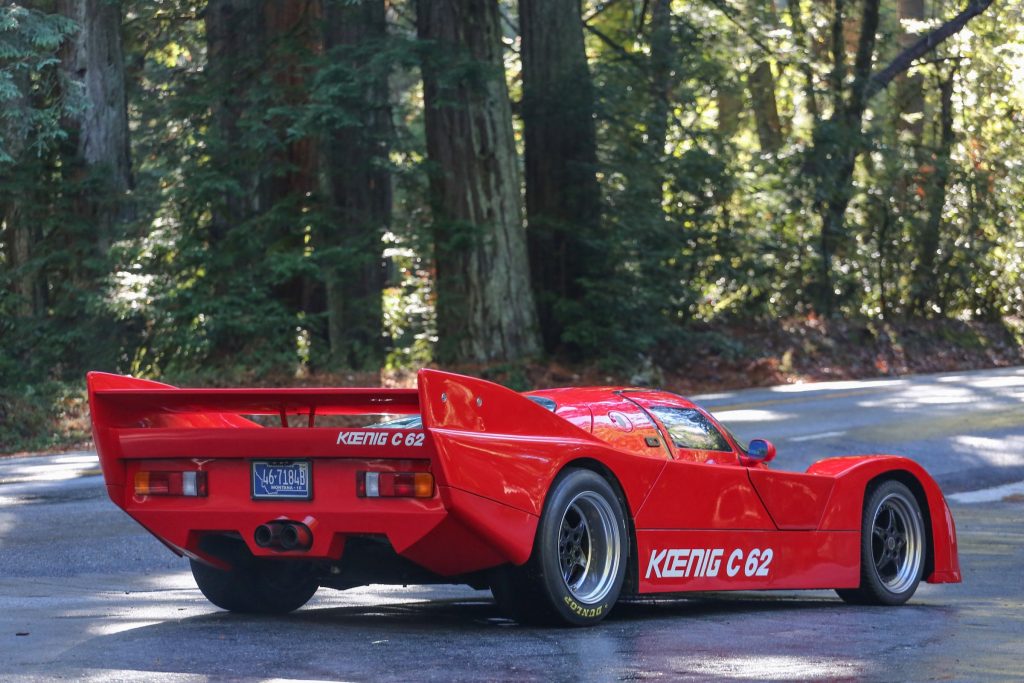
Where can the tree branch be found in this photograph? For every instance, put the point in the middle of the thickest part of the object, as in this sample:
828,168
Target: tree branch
926,44
625,54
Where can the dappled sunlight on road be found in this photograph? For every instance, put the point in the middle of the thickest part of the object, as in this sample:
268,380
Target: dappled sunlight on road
6,523
999,452
752,415
771,667
836,386
54,468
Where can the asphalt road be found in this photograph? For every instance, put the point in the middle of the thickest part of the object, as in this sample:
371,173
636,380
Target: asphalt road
86,594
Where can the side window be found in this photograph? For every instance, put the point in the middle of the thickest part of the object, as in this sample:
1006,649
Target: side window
688,428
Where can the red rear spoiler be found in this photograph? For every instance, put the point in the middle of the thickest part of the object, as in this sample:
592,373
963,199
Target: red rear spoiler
119,401
135,418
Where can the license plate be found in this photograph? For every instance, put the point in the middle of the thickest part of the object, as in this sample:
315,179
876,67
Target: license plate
281,480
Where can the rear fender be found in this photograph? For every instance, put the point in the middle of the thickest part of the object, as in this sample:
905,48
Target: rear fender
498,445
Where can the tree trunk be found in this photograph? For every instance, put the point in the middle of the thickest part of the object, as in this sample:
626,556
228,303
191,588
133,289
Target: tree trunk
910,88
17,233
291,34
761,82
92,59
647,183
562,194
289,173
729,99
662,60
21,238
926,278
806,70
485,307
235,41
358,190
843,135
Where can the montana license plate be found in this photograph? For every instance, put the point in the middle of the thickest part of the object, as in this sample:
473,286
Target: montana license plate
281,480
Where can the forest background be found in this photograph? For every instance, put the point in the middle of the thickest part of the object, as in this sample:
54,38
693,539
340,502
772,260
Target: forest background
694,193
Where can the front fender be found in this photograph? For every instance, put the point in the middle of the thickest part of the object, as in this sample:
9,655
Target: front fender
844,512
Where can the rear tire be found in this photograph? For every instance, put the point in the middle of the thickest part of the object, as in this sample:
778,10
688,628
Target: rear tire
893,547
256,585
575,573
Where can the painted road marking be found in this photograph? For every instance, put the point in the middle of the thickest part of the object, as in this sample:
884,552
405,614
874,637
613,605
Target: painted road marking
989,495
815,437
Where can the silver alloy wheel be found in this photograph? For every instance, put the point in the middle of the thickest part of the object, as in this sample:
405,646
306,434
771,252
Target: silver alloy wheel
897,542
589,547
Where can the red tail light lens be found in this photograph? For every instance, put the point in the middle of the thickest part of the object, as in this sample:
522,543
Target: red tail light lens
394,484
171,484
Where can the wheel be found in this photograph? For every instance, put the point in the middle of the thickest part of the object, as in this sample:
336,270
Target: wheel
256,585
578,564
892,547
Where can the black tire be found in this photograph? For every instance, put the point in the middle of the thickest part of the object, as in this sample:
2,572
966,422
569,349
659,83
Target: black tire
256,585
893,547
575,573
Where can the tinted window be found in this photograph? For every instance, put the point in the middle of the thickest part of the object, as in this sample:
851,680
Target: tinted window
688,428
408,422
543,401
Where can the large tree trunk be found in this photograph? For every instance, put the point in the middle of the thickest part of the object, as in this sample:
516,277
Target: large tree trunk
293,34
562,194
235,41
256,53
358,190
485,308
92,59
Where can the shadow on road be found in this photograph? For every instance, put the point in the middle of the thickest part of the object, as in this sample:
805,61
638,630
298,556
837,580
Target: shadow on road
467,638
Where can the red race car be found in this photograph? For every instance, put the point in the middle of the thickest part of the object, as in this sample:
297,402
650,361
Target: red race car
560,501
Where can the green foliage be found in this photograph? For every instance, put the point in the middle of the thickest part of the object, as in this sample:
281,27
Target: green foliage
220,268
31,103
43,415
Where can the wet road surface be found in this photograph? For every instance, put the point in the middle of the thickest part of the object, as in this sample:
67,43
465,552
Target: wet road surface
86,594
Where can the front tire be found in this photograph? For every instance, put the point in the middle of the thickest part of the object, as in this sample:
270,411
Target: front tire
893,546
256,585
578,565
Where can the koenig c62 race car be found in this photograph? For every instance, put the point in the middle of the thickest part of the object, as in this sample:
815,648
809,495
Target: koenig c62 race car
560,501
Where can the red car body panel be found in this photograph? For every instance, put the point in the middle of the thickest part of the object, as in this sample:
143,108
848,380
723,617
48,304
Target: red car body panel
703,520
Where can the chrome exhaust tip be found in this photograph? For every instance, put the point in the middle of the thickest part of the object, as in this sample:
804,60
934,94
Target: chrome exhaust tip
295,536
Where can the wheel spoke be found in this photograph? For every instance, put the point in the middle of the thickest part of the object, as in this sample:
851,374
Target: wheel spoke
880,562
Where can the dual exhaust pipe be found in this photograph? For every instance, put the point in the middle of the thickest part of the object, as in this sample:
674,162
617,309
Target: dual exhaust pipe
283,535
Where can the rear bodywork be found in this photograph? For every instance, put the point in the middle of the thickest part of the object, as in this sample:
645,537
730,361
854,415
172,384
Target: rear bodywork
696,523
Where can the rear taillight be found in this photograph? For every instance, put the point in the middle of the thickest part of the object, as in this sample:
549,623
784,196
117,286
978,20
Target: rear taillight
170,484
394,484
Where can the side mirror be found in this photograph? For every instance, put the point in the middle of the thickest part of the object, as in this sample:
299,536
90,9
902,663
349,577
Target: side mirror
761,450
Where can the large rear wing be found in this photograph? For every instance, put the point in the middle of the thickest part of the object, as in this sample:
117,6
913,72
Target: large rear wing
141,419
